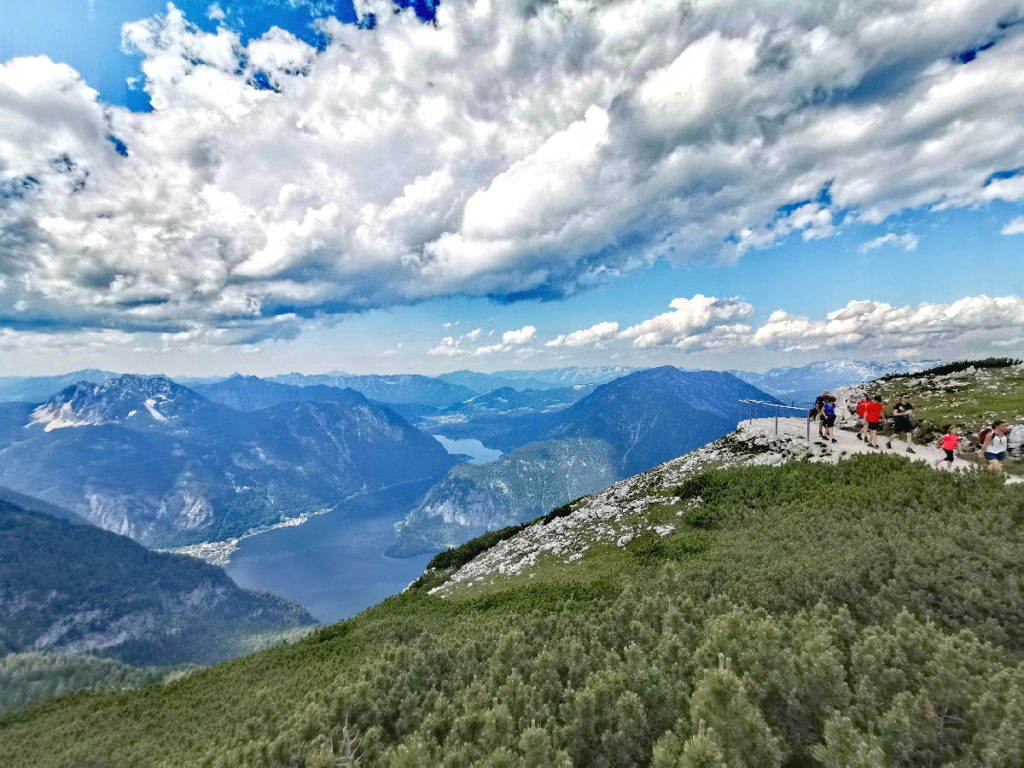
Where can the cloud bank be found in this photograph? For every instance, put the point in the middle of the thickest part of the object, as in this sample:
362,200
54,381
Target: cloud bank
512,150
872,328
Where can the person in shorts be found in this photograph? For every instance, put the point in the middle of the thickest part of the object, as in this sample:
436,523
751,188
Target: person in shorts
861,405
819,411
875,418
828,412
901,421
949,443
995,445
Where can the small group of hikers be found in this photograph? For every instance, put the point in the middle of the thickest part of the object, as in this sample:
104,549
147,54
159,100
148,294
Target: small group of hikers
871,412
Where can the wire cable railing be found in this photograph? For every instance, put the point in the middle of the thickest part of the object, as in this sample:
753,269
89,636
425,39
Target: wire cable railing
771,409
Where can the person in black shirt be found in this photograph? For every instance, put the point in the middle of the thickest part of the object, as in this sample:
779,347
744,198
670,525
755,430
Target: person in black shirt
901,421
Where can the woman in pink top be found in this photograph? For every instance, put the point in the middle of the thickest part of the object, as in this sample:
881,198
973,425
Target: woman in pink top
949,443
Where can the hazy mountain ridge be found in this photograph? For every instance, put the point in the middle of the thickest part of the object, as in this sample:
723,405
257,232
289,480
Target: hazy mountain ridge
80,589
641,419
545,378
392,388
473,499
146,457
35,389
805,382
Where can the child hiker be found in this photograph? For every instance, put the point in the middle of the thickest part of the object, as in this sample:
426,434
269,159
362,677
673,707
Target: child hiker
949,443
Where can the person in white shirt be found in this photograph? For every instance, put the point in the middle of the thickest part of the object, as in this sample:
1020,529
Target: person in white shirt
995,445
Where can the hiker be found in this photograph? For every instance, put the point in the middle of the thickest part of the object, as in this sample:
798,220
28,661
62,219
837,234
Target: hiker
828,413
873,414
861,405
949,443
994,444
819,412
901,423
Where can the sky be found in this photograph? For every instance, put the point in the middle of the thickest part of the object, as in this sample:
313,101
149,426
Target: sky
309,185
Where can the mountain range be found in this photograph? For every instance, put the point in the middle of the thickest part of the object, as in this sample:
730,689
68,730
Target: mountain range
545,378
761,601
79,589
151,459
398,388
801,384
623,427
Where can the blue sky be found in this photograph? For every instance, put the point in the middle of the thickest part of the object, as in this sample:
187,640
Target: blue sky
424,197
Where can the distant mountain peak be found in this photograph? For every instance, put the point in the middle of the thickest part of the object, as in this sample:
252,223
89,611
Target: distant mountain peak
123,398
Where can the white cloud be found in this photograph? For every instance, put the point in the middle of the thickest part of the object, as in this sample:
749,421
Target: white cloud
874,326
215,12
690,322
451,346
587,337
1014,227
908,242
515,150
524,335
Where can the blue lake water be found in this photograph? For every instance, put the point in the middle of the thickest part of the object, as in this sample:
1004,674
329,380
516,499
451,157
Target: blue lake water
477,451
334,564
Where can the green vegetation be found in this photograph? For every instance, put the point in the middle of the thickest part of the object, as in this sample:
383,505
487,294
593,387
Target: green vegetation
80,589
28,677
860,614
969,401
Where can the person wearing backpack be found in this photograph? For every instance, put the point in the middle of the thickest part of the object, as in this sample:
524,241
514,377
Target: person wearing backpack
949,443
828,412
901,423
994,444
819,411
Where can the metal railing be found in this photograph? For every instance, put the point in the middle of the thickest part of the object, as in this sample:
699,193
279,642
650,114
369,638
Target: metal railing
777,407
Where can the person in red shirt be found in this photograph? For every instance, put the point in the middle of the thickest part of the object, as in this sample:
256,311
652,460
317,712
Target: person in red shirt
875,419
949,443
861,405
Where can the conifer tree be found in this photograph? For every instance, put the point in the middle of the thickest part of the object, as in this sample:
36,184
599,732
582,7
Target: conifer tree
846,747
721,701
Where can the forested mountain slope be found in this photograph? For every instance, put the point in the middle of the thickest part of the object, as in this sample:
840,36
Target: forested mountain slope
80,589
766,612
621,428
151,459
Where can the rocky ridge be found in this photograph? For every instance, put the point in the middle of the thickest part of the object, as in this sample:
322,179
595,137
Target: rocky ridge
632,507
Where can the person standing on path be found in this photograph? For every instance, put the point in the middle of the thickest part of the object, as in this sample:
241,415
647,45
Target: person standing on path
901,423
995,444
949,443
873,414
828,412
819,412
861,405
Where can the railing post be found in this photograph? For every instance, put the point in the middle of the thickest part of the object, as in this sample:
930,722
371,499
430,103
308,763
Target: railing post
776,421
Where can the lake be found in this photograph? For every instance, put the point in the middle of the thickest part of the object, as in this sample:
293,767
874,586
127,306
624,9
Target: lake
334,564
477,451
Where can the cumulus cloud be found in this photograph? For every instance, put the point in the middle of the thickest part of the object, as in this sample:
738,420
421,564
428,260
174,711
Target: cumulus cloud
512,150
908,242
691,323
1014,227
587,337
452,346
874,325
